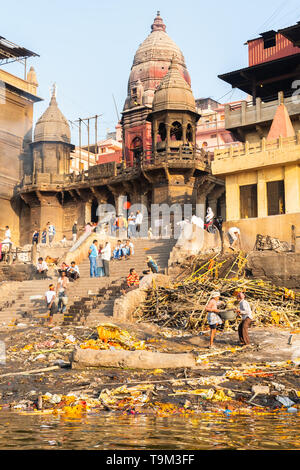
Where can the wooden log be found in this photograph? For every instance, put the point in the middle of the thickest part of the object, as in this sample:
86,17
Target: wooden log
131,359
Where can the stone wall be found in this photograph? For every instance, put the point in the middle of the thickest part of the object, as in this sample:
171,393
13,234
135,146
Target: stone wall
16,272
194,240
125,306
280,268
276,226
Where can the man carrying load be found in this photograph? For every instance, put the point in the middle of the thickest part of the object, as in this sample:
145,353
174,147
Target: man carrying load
213,318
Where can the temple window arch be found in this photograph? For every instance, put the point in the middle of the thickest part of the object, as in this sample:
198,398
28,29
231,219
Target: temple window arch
176,131
137,148
162,131
189,133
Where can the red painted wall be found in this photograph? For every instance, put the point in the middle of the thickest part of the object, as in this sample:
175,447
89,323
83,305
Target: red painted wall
144,133
257,54
110,157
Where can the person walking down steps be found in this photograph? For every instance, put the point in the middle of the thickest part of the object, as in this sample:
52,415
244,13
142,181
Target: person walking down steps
106,256
51,301
62,285
74,231
93,255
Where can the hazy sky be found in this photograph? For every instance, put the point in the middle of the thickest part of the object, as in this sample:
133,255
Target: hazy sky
87,46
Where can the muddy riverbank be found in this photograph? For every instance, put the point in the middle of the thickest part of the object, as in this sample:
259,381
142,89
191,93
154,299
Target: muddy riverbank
227,378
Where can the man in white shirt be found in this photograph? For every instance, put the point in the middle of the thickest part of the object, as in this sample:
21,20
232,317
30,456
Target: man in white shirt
246,313
209,215
73,271
7,236
51,232
131,225
7,232
138,222
51,301
106,256
234,235
42,267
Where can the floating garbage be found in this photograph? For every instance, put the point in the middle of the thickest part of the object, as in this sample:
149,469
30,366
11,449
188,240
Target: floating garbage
285,401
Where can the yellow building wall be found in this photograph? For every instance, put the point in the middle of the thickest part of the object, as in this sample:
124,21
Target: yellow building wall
291,176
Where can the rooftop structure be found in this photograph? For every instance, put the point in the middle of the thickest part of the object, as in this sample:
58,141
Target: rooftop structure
273,63
262,174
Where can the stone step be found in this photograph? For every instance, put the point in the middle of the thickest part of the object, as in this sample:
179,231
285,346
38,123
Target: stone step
90,299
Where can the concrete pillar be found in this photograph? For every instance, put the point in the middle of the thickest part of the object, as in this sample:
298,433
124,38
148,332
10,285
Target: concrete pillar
258,109
232,198
262,199
292,189
168,137
88,212
155,133
200,206
244,110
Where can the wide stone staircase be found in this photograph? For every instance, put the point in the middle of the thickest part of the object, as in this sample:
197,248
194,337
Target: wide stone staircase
90,300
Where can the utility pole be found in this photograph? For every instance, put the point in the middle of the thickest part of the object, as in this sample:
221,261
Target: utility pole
86,121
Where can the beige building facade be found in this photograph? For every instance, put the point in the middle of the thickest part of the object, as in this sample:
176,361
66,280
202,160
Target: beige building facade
262,183
17,97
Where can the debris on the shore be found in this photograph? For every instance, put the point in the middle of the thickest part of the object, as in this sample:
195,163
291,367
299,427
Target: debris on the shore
182,305
113,337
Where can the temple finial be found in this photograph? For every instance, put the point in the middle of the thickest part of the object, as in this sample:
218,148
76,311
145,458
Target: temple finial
158,24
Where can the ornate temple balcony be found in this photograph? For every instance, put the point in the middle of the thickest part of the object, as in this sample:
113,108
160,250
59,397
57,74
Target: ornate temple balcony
179,156
176,156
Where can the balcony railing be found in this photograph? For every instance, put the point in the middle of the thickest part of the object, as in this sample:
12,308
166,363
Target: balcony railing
181,155
247,113
262,146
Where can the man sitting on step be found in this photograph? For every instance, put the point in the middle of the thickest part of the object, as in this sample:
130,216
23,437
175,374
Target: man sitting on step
133,281
42,268
73,271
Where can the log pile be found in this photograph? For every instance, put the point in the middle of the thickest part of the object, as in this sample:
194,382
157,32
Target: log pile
182,305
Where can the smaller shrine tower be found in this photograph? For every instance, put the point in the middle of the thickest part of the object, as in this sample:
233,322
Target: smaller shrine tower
51,146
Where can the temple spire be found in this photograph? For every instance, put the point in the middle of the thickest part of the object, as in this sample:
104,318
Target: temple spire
53,91
158,24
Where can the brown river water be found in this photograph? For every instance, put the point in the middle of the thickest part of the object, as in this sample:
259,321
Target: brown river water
110,431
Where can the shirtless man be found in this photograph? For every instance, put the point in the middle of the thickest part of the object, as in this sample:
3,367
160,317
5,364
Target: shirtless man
213,318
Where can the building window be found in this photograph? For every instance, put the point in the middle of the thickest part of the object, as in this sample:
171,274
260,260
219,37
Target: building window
162,131
176,131
189,133
137,149
248,201
269,39
275,196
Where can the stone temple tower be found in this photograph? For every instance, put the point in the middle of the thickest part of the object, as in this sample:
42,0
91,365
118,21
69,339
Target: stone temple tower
49,163
51,146
150,64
